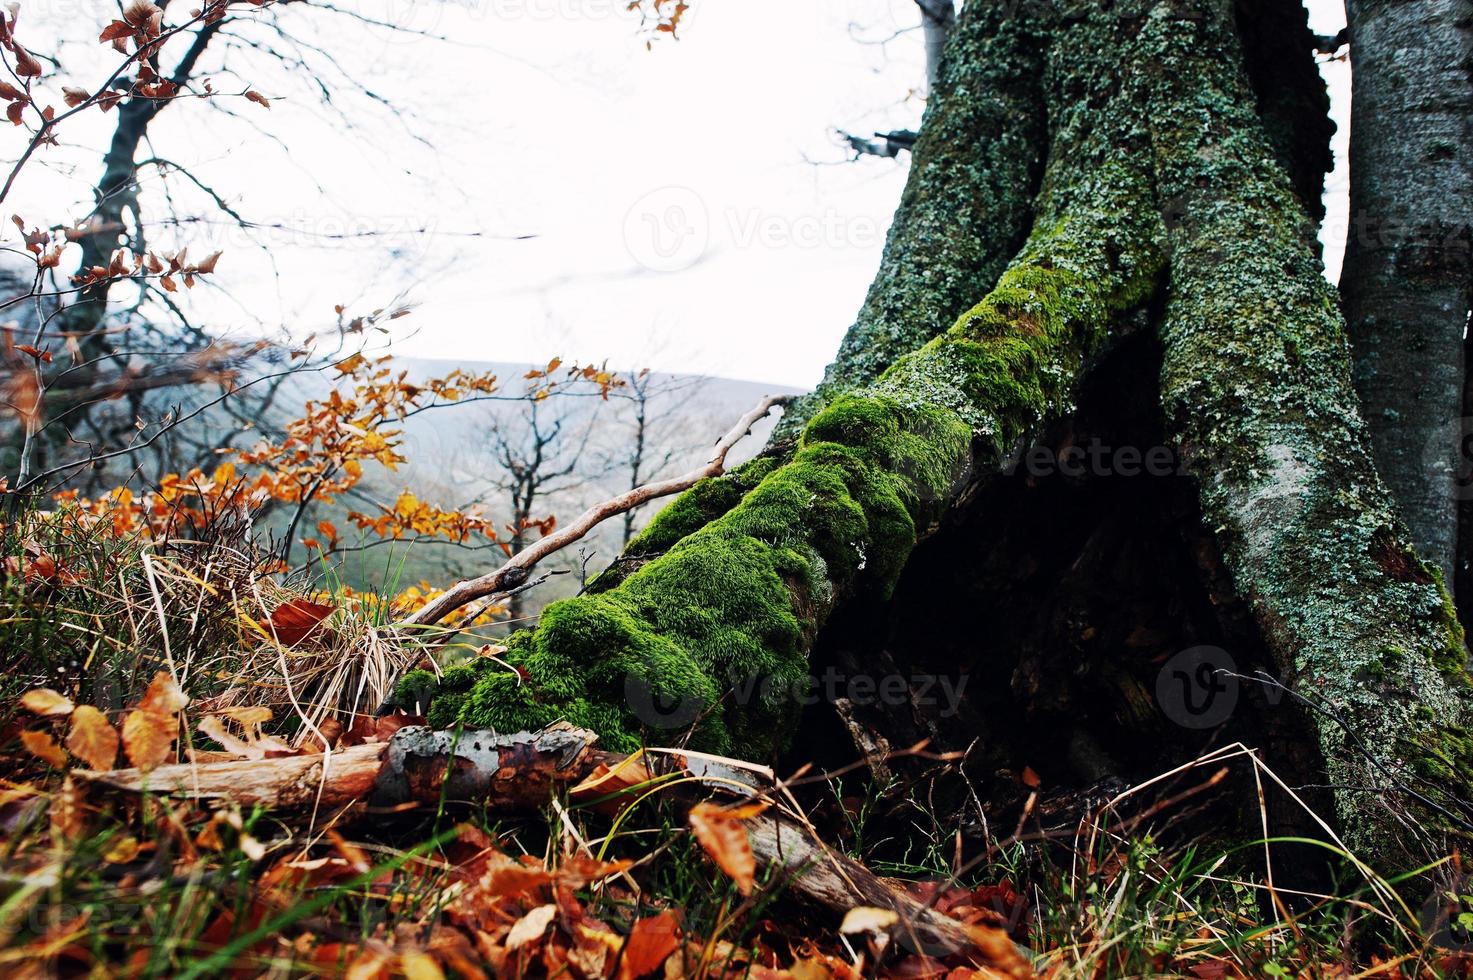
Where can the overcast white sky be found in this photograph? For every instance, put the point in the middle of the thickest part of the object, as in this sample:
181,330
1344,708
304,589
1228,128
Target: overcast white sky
688,205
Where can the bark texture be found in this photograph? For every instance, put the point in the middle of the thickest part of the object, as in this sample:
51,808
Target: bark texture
1409,256
968,202
1256,386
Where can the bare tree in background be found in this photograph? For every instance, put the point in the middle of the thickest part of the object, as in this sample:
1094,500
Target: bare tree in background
656,425
537,455
130,351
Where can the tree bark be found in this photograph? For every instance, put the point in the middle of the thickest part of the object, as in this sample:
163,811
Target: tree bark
968,202
1409,255
1256,384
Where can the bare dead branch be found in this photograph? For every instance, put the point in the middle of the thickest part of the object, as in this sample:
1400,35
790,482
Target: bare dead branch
515,571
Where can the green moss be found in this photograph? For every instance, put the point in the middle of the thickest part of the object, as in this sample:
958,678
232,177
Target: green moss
700,505
749,573
1256,380
968,200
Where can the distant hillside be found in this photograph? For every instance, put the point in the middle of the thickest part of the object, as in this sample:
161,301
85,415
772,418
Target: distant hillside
458,457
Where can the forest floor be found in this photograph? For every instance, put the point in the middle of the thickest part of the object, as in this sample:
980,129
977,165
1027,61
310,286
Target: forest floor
127,661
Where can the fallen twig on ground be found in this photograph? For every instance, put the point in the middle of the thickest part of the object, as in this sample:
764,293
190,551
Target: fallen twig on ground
527,770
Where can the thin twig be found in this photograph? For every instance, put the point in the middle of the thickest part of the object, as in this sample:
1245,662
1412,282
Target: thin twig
515,571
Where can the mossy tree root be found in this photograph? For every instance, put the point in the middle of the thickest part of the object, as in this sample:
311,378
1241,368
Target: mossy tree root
1257,390
714,634
1156,150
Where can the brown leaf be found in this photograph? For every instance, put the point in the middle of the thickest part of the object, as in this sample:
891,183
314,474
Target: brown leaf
163,695
650,944
531,926
208,265
148,737
140,12
253,96
25,65
74,96
114,31
10,92
215,729
92,738
44,747
722,833
296,619
44,701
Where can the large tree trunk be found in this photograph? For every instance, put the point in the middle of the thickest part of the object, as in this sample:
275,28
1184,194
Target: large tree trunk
1165,207
1408,256
968,203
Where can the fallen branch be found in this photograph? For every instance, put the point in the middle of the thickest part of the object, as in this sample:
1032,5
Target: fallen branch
516,571
527,770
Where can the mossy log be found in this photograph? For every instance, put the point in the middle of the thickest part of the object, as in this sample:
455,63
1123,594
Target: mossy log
1163,203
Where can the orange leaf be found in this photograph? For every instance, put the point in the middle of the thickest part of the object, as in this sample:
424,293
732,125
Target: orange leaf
724,837
148,737
45,701
92,738
44,747
163,695
297,619
650,944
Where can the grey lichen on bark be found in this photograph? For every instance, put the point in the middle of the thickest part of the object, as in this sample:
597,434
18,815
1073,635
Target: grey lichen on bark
1257,388
1409,253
